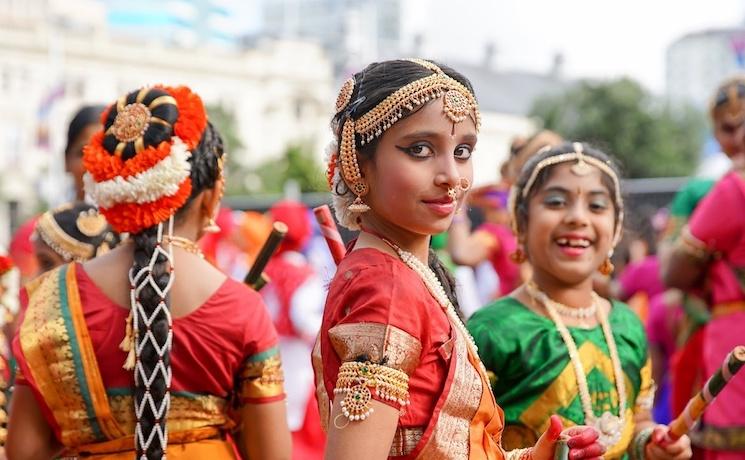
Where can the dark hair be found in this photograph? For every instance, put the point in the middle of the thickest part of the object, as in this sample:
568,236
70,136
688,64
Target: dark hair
521,203
87,115
371,86
723,96
68,218
205,172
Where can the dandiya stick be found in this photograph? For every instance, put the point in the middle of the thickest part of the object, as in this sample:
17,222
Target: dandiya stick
330,232
696,406
256,277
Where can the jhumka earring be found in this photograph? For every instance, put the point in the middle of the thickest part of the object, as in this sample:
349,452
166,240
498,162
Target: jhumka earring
606,268
518,256
211,227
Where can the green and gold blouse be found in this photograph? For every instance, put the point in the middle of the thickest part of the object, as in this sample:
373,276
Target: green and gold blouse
533,378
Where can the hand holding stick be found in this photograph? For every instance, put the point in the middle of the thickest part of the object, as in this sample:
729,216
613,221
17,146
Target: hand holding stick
696,406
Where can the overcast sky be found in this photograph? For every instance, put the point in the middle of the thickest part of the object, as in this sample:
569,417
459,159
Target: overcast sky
598,38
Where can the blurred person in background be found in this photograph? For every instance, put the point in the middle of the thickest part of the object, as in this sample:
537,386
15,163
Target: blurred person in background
295,296
709,255
85,122
8,309
73,232
156,351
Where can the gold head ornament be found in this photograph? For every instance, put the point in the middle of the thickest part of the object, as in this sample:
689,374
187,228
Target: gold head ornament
91,223
458,104
54,236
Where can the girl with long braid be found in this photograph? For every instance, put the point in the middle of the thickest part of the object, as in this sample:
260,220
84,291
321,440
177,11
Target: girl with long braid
397,373
148,350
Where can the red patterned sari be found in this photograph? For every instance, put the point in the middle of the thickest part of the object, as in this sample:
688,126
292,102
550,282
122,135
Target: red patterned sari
379,310
224,354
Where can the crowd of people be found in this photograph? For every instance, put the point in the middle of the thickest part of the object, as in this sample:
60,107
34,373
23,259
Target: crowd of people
508,321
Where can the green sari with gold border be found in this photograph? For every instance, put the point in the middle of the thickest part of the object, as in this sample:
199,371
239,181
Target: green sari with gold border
533,378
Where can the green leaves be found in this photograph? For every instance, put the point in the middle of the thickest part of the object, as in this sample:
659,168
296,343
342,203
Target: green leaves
649,136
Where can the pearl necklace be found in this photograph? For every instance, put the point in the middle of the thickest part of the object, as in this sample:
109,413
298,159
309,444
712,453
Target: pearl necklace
566,311
608,425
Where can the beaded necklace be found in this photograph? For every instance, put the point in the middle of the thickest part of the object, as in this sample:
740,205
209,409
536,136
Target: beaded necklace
608,425
433,286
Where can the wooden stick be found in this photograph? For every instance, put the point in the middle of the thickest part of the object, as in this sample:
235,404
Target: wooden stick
697,405
256,277
330,232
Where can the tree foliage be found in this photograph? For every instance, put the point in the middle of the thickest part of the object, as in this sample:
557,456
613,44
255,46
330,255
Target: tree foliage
650,138
297,164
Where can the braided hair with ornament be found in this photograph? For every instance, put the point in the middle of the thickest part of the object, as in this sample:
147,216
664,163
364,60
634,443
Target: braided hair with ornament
156,152
368,104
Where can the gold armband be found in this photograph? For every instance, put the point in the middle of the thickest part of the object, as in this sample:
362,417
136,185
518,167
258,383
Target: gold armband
357,379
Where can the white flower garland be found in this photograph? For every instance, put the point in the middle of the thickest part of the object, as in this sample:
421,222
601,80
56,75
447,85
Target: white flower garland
160,181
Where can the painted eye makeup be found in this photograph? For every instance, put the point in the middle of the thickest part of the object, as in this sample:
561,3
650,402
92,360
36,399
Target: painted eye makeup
417,150
599,205
463,152
554,200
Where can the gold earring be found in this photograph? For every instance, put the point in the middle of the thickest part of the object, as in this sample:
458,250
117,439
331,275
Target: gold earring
518,256
358,206
211,227
606,268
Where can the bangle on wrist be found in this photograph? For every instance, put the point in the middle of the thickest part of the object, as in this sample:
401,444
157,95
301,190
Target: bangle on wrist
639,444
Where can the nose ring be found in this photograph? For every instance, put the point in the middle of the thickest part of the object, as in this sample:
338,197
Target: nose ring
464,184
452,193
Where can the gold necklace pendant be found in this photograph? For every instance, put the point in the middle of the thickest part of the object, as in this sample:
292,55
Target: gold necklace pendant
185,244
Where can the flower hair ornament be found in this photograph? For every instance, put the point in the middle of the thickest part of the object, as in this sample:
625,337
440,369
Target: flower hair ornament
138,168
138,172
458,104
582,167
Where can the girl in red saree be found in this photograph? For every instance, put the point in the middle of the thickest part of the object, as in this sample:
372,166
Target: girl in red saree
149,350
710,256
397,374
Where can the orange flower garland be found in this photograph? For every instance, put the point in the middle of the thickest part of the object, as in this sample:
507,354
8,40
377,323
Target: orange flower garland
191,119
133,217
330,171
103,166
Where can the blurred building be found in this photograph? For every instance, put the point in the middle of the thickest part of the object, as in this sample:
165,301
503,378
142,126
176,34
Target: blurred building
176,22
58,55
697,62
353,32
